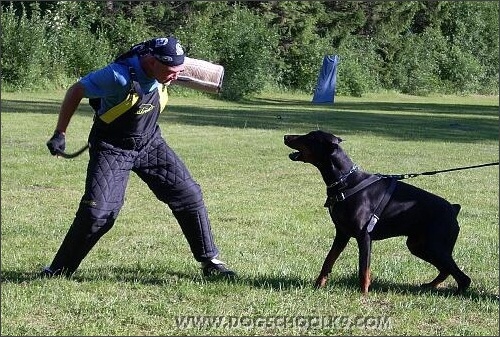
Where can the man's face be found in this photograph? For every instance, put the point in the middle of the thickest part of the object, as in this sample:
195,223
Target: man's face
165,74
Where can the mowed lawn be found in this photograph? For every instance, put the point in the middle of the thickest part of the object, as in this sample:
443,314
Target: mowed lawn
267,216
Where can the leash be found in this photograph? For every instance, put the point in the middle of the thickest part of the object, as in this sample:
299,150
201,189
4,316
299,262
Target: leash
412,175
74,154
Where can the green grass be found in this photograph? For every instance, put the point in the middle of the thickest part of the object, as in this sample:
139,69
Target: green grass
268,219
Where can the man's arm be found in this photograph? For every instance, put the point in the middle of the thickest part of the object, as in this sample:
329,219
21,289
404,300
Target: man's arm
69,105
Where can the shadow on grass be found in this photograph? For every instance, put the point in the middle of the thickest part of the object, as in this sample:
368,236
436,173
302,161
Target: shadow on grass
115,274
276,283
384,286
415,121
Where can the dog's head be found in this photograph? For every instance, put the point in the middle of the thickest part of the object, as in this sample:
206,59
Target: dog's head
312,147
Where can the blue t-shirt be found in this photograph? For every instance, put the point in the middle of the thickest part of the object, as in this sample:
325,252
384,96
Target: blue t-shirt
112,83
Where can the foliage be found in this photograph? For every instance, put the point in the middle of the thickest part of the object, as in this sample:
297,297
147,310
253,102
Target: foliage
302,43
415,68
474,46
235,38
357,70
49,48
25,55
405,46
199,33
244,46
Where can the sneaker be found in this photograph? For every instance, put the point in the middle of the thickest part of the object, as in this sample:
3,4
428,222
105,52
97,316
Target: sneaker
216,267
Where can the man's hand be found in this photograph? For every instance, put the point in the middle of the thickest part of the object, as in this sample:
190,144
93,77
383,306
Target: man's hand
57,143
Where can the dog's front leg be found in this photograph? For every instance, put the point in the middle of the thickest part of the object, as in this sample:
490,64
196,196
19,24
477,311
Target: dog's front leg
365,247
339,243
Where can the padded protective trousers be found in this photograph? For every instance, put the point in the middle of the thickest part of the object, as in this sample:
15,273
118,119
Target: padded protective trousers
107,176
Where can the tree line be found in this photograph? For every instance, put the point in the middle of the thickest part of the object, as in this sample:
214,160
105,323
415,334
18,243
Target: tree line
412,47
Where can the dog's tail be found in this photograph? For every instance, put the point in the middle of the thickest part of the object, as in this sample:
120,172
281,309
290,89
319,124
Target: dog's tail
456,208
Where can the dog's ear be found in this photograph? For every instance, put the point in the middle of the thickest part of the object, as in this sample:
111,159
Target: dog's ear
331,142
334,139
330,137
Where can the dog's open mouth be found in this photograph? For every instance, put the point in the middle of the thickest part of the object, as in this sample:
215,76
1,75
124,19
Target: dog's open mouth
295,156
290,142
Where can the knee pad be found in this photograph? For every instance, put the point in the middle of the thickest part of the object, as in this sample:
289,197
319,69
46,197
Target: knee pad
94,220
186,195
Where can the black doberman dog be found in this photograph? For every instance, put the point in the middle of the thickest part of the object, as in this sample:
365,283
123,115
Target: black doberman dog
375,207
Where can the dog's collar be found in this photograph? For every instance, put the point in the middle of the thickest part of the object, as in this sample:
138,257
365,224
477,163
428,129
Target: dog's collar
343,177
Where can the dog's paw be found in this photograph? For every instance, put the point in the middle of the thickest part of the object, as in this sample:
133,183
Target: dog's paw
429,285
463,285
320,282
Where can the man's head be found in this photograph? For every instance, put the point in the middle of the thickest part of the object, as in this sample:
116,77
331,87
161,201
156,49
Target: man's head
163,59
167,50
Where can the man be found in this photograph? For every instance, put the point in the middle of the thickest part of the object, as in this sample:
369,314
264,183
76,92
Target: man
128,96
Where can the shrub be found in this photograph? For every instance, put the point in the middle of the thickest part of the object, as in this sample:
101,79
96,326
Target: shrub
244,46
303,58
461,72
24,52
415,70
41,52
83,52
357,68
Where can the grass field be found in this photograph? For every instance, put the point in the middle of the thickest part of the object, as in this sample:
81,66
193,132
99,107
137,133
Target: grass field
268,219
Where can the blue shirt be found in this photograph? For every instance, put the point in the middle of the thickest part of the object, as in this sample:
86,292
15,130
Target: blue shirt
112,83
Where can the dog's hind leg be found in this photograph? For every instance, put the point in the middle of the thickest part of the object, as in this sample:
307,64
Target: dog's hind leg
339,244
443,262
437,281
443,255
446,262
416,247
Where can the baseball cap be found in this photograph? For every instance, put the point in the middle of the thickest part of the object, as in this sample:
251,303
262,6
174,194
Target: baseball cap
167,50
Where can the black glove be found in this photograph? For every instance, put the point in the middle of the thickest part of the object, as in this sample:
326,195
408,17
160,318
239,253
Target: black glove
57,143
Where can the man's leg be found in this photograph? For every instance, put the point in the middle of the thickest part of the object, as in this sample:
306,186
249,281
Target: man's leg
107,177
169,179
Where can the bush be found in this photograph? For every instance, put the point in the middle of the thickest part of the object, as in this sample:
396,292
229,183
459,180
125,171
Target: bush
357,68
199,32
415,69
82,52
455,49
42,52
24,49
303,58
244,46
121,33
461,72
236,39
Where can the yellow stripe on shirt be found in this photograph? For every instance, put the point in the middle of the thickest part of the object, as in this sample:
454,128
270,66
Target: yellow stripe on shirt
163,97
119,109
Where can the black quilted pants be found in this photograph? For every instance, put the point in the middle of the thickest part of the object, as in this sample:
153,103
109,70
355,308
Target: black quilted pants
107,175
